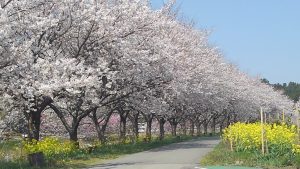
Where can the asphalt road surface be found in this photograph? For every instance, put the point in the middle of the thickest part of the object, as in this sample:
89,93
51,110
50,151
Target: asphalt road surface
185,155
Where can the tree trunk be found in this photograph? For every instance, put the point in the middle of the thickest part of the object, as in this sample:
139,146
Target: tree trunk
162,122
35,123
149,119
34,118
184,130
235,118
213,126
73,129
136,128
228,120
198,126
123,127
100,129
205,126
192,127
148,130
135,122
173,124
174,128
73,132
73,135
221,127
123,120
101,134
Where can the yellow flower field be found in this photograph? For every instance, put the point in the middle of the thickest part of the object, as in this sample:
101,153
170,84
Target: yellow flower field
50,146
248,137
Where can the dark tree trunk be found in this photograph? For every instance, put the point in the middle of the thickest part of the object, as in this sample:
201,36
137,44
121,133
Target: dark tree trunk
135,122
148,129
136,128
205,127
162,122
228,120
183,126
73,129
173,124
174,128
100,133
34,118
73,132
123,120
213,126
149,119
100,128
192,127
122,128
221,127
235,118
198,126
35,123
73,135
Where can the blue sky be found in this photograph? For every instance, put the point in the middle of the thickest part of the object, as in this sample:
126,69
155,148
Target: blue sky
262,37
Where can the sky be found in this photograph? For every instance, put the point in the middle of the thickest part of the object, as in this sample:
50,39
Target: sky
261,37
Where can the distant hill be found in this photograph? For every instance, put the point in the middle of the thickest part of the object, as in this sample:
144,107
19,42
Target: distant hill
291,89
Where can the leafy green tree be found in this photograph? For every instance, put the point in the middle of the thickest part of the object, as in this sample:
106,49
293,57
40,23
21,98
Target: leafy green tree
292,89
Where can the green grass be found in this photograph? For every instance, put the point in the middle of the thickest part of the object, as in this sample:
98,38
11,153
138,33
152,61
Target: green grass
222,156
11,150
81,158
9,145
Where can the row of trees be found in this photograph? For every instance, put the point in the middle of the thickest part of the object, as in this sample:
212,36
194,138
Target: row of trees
87,60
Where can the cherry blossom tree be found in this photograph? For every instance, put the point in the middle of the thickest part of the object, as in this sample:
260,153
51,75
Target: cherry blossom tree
86,60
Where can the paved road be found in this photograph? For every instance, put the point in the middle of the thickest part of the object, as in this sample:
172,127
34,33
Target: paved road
185,155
